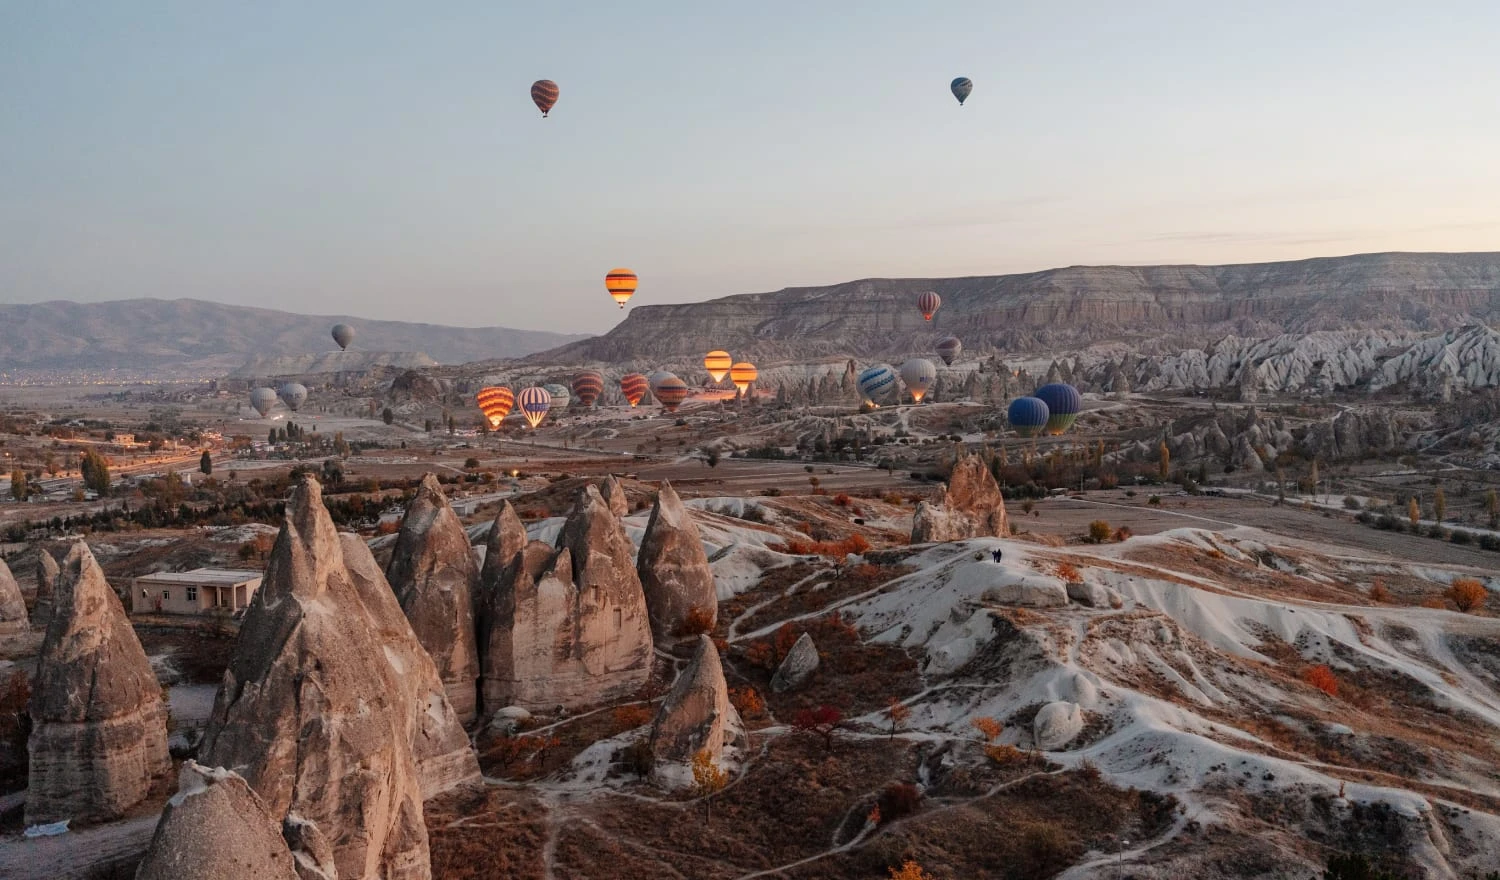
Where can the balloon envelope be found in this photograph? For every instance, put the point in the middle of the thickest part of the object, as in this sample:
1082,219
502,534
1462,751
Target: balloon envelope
534,403
561,396
263,399
876,383
918,374
1063,405
742,374
671,392
293,394
587,386
961,88
495,402
343,334
928,303
655,379
544,95
718,363
948,348
1027,415
634,386
621,284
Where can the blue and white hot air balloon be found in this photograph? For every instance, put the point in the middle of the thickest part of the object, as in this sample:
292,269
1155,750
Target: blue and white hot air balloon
877,383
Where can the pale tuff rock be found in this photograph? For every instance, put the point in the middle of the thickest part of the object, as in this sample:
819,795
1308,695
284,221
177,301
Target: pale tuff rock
574,630
46,582
312,712
216,827
1030,592
971,506
99,734
311,851
440,745
797,667
614,496
13,618
696,714
674,569
1056,725
434,575
1090,594
507,538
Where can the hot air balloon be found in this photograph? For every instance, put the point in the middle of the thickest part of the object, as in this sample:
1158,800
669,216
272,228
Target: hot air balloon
918,374
534,402
544,94
621,285
876,383
634,387
587,386
928,303
561,396
670,392
495,402
263,399
1027,415
961,88
343,334
948,348
718,363
293,394
742,374
1063,405
655,378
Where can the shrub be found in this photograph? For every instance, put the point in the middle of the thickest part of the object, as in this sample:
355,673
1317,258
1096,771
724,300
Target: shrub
1432,602
910,870
824,722
747,702
1067,571
1468,594
1154,501
1489,542
1322,678
1378,592
1461,537
697,622
1100,531
841,499
1351,503
631,717
1123,533
989,728
1046,849
897,800
1005,756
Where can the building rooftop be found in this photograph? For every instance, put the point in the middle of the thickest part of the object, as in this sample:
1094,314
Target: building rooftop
223,577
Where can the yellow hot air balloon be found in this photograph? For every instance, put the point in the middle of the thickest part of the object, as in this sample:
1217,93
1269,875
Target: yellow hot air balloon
496,402
742,374
621,284
717,363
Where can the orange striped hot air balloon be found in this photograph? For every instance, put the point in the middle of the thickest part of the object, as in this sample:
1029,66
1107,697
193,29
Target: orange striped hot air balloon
544,95
717,363
587,386
670,392
742,374
495,402
928,303
621,285
633,386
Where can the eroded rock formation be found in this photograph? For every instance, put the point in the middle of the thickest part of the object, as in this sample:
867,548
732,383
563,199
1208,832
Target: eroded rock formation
696,714
434,575
13,619
797,667
46,584
99,723
214,828
674,571
970,506
614,495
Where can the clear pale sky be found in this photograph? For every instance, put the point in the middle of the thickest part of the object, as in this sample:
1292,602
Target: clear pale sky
385,159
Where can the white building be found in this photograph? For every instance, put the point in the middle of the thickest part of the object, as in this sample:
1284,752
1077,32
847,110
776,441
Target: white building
200,591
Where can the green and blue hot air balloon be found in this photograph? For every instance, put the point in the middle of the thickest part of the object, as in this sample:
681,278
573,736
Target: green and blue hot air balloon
1027,415
1063,405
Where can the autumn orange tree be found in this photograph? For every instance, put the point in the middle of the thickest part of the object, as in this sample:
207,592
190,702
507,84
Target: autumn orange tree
1468,594
824,722
708,778
747,702
898,712
910,870
1322,678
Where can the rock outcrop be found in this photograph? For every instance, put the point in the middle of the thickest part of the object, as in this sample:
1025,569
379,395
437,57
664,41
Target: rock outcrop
312,712
970,506
797,666
1056,725
569,628
434,575
46,585
99,724
13,619
614,496
674,570
696,714
215,828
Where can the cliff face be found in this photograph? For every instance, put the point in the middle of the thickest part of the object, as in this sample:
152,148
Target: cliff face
1071,306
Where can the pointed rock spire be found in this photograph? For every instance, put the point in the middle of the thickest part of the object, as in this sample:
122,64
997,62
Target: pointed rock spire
970,506
311,711
216,827
696,714
46,582
614,496
99,725
433,573
507,538
674,570
13,618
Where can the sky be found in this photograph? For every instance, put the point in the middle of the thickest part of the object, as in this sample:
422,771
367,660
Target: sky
385,160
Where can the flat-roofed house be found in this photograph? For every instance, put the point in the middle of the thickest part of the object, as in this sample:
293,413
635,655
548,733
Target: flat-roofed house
200,591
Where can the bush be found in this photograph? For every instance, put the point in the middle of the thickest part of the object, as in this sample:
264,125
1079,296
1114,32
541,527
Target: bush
1468,594
1100,531
1154,501
1351,503
1322,678
1123,533
1489,542
631,717
1461,537
897,800
697,622
1046,849
1378,592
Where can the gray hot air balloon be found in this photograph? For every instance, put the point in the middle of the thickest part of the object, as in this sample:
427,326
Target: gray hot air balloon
343,334
293,394
263,399
918,374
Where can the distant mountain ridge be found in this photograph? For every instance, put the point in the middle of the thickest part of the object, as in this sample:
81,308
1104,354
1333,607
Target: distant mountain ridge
1145,308
186,335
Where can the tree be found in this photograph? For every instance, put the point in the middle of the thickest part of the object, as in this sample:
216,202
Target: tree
1100,531
1164,467
1468,594
1439,504
18,488
340,445
899,712
1312,476
910,870
206,463
708,778
1413,510
387,416
450,425
1354,866
1492,508
824,721
271,437
96,473
1280,486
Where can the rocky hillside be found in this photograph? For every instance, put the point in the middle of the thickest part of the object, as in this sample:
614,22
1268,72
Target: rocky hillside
1150,308
199,338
